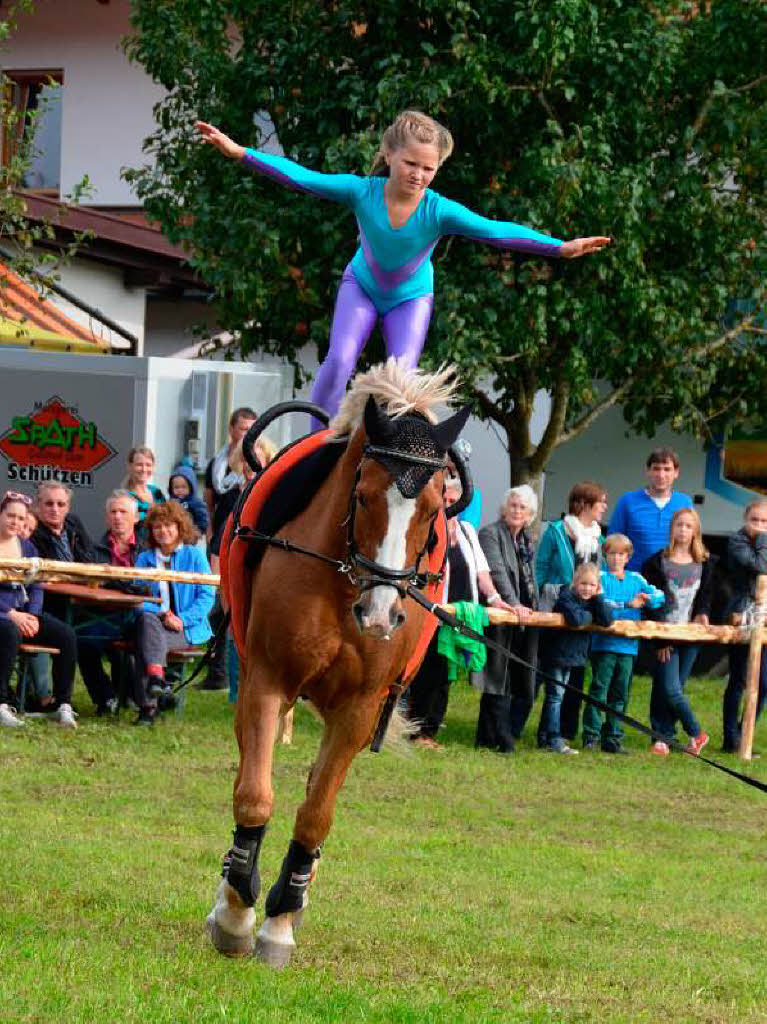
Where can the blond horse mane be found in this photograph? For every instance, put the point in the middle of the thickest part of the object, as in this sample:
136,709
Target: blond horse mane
398,389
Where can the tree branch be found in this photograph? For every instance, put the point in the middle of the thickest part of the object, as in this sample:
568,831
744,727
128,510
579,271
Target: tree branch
549,440
488,407
700,120
585,421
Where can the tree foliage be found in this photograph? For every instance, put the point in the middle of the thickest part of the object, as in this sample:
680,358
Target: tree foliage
643,120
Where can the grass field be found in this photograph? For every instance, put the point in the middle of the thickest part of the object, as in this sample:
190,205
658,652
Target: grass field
455,886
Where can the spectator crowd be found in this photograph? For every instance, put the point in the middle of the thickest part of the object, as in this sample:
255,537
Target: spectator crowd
649,562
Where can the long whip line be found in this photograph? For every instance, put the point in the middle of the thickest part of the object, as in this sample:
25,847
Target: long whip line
452,620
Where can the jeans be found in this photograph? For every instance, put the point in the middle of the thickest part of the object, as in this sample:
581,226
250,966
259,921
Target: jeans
610,683
90,650
734,691
668,704
549,730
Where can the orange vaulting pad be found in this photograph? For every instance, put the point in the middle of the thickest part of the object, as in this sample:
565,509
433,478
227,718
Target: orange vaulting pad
28,319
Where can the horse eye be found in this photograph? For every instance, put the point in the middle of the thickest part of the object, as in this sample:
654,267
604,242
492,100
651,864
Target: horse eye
361,499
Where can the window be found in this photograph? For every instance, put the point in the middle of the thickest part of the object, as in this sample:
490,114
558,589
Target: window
34,98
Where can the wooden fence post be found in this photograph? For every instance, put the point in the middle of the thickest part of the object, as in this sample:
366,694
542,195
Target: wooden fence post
753,671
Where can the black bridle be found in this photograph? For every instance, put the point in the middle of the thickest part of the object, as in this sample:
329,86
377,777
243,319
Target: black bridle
361,571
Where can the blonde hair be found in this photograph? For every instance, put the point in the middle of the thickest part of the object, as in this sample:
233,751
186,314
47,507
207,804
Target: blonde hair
757,503
586,569
411,126
267,447
698,549
618,542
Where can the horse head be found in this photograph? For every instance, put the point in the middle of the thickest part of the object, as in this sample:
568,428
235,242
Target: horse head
397,497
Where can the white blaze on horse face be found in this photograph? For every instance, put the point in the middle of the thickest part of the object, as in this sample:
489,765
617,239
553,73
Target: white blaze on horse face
391,554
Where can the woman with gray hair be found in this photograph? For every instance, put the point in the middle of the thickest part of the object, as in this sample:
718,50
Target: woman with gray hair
508,689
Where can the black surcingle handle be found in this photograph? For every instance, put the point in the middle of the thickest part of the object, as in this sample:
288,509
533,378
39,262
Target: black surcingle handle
263,421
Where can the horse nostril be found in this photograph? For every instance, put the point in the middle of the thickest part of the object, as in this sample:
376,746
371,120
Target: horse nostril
397,619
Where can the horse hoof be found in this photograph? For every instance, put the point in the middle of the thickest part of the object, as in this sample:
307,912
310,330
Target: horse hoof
226,943
274,954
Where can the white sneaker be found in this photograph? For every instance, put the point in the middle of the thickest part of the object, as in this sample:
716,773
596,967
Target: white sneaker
8,716
66,716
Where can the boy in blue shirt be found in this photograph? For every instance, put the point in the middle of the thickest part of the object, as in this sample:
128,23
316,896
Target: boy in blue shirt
612,657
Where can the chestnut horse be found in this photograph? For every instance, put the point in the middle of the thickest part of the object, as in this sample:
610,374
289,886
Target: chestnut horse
340,639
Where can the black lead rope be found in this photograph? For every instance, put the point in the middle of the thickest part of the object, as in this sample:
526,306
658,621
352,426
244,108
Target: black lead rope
451,620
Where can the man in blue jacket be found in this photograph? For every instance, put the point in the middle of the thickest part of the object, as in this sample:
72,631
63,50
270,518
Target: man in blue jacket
645,515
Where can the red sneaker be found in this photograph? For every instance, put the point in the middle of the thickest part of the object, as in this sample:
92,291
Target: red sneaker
697,743
660,748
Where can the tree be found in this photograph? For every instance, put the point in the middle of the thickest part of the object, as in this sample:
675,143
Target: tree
643,120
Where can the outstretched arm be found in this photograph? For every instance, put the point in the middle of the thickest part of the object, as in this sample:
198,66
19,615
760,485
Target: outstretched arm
341,188
456,219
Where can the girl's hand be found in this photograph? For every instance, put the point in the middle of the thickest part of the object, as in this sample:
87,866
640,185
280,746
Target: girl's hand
28,625
217,138
173,622
663,654
702,620
522,613
639,601
582,246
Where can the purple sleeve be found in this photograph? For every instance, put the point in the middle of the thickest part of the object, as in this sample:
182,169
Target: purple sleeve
455,219
341,188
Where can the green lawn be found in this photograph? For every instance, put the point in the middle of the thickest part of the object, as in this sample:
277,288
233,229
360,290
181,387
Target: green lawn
455,886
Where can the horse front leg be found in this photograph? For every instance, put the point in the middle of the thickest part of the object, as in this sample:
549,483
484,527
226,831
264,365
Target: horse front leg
347,730
232,919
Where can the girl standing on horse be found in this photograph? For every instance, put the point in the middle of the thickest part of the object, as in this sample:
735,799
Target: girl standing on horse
400,222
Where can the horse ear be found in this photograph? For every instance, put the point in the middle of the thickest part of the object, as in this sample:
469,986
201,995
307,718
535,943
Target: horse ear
377,424
448,431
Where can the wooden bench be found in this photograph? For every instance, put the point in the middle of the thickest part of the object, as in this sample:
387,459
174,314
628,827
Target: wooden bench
25,652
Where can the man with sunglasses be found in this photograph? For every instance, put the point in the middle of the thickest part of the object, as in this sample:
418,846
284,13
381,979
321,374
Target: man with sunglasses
60,535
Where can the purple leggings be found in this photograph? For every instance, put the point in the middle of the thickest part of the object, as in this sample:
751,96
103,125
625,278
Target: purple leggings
404,330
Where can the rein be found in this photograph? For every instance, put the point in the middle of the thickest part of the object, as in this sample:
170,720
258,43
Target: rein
375,574
455,623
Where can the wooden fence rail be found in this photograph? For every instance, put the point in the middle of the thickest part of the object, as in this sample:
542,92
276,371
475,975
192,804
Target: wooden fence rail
46,570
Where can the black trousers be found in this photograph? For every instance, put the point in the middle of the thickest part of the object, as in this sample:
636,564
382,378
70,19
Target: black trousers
428,693
570,713
494,723
52,633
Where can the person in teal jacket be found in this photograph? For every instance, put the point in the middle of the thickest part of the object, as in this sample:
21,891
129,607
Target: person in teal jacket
400,221
181,617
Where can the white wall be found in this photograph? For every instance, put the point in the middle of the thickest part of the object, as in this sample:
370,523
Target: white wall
107,102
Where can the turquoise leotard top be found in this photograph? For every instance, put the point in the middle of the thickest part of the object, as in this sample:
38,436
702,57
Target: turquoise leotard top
394,265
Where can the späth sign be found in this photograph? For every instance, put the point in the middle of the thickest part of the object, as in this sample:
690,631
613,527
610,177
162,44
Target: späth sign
54,443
